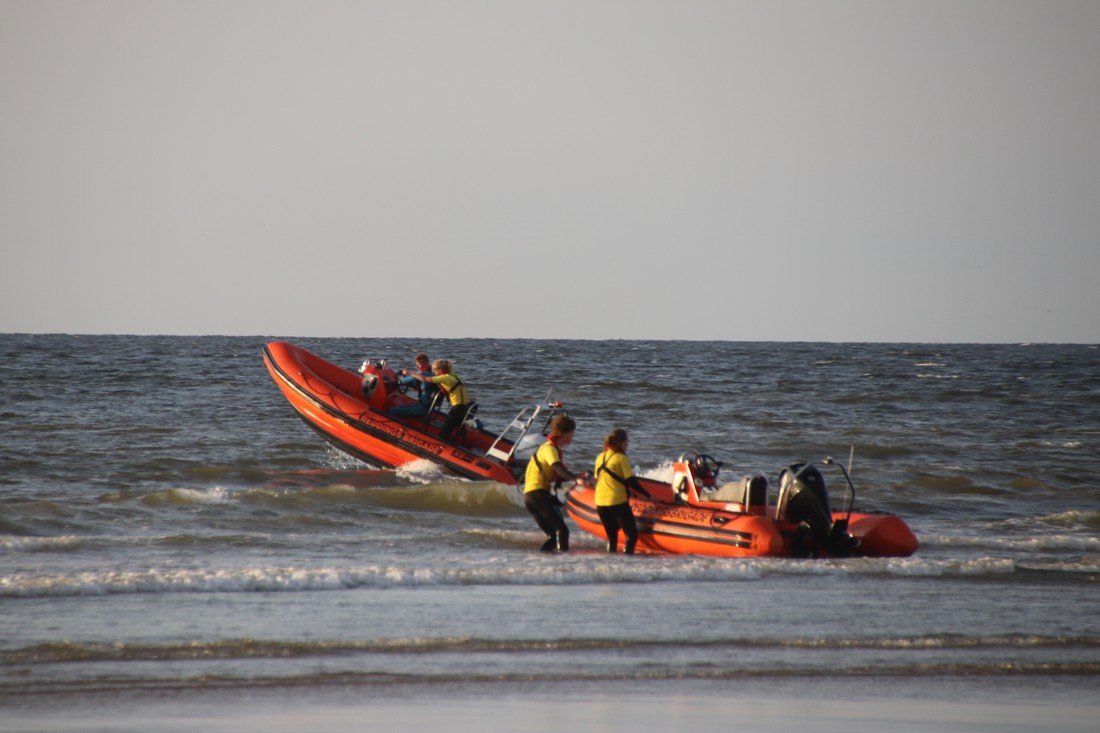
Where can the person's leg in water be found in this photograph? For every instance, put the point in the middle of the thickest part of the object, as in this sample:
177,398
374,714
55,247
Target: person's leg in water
536,505
561,529
610,522
630,527
543,507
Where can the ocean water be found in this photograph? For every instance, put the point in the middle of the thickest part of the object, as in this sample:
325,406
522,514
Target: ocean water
174,539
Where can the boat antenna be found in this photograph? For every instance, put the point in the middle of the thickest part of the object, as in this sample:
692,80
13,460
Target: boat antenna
851,457
848,478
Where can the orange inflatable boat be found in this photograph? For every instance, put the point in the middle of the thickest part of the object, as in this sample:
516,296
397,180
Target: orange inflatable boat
350,411
692,515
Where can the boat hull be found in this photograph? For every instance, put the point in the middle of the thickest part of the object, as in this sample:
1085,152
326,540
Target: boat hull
330,401
666,527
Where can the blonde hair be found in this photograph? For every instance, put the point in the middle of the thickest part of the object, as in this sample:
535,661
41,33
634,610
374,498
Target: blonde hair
442,365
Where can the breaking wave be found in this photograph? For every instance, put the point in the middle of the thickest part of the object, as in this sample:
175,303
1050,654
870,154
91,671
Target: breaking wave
580,569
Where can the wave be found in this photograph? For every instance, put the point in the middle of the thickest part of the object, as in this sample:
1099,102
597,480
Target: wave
1050,542
69,543
576,679
1077,518
185,497
42,544
580,569
429,493
70,651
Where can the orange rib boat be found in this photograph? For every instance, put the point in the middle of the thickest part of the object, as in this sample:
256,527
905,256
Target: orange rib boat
350,411
690,516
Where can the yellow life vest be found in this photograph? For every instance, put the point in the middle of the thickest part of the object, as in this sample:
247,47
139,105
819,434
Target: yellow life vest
612,471
452,387
540,474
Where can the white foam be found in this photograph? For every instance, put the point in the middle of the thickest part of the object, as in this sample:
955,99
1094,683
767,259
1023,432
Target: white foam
1044,542
661,472
216,495
1071,517
335,458
40,544
580,568
423,471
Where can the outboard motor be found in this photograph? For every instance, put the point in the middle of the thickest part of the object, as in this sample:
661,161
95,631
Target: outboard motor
806,503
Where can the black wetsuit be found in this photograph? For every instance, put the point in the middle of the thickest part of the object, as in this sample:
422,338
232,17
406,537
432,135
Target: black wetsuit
616,517
546,509
619,517
455,417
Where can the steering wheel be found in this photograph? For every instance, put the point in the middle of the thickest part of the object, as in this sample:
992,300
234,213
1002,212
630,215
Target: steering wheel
702,464
707,462
401,386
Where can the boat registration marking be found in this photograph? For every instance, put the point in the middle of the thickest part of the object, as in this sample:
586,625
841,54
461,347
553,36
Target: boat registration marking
651,511
401,434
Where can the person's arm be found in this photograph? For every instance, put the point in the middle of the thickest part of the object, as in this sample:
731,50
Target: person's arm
561,473
415,375
633,484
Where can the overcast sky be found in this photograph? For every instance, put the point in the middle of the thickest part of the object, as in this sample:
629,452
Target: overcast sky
823,171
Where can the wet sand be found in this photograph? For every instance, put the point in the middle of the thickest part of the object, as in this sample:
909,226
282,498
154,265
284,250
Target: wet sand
878,707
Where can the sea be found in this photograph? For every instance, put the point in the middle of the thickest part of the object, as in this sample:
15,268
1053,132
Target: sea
179,551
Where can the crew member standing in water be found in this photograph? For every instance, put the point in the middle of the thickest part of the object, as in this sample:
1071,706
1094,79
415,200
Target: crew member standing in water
545,469
454,389
614,481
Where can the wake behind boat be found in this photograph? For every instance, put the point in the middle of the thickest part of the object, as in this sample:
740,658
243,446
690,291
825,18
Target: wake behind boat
351,411
693,516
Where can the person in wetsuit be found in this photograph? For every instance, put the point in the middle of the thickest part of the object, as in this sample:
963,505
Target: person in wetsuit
452,386
547,469
425,390
614,481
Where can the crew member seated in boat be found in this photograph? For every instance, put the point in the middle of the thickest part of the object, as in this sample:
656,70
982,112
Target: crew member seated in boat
425,390
455,391
547,469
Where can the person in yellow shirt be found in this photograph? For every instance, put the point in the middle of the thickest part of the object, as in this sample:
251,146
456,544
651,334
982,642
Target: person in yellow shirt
614,481
452,386
547,469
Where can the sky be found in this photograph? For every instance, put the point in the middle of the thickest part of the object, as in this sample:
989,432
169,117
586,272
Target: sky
733,170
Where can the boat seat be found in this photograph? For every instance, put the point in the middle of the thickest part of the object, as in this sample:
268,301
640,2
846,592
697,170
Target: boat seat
469,420
751,492
459,435
680,492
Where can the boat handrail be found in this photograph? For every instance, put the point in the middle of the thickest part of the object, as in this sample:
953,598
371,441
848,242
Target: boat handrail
520,426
